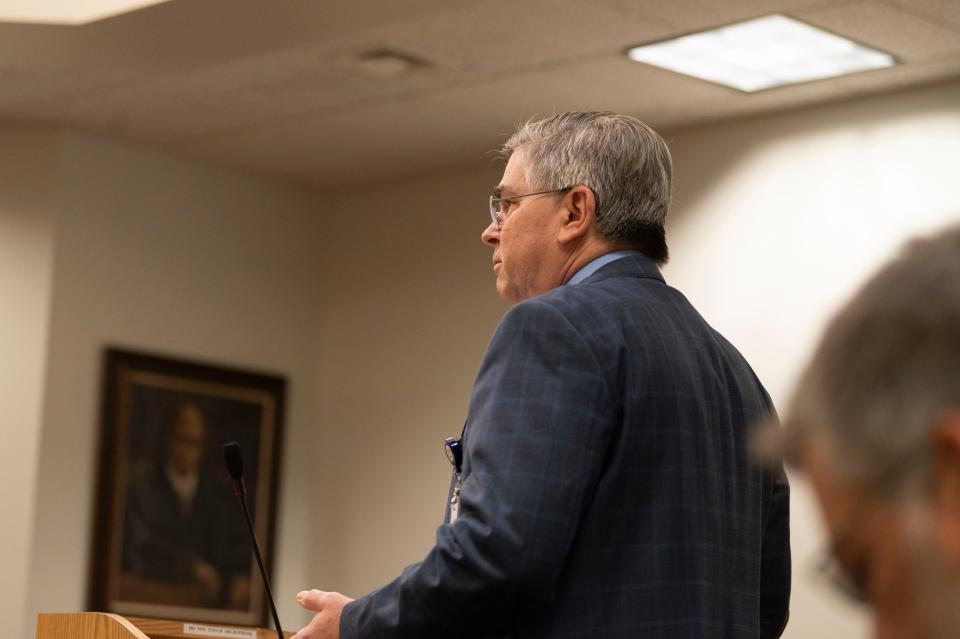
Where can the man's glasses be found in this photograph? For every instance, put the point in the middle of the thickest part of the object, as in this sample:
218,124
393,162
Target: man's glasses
500,206
851,577
850,580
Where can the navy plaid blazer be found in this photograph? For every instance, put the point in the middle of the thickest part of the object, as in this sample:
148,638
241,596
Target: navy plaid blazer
607,489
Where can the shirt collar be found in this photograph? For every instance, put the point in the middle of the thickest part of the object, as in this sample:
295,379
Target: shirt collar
596,264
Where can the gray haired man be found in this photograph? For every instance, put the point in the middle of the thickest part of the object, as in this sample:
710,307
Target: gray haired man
875,422
605,488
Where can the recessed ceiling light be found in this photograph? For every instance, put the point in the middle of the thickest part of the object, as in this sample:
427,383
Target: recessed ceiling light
763,53
73,12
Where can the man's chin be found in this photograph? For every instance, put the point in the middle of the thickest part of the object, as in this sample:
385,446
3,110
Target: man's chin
507,293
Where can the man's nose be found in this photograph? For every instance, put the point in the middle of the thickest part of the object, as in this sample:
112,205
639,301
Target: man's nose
490,235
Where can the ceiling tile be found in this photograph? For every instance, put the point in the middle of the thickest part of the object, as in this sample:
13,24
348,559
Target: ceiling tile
945,12
887,28
685,16
457,126
275,88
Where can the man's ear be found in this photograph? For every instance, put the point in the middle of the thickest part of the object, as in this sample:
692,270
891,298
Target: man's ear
580,211
946,482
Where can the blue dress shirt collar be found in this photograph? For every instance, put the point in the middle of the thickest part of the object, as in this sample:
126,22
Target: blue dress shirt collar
592,267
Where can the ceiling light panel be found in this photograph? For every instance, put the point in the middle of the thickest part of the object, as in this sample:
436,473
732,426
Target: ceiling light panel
761,54
71,12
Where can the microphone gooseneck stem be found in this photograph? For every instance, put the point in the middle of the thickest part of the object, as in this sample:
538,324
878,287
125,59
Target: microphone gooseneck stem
256,551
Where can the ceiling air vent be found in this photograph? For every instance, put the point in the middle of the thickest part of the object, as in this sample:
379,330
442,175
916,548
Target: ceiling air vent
389,63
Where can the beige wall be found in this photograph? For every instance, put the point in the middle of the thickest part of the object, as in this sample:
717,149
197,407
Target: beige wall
377,305
777,220
412,306
795,210
163,255
28,159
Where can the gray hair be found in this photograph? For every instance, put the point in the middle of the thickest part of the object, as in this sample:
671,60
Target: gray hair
623,161
887,367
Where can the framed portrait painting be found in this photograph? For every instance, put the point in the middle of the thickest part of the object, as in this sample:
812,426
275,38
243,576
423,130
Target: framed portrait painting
171,540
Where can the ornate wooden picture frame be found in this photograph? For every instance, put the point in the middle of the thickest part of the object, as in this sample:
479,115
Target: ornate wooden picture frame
170,538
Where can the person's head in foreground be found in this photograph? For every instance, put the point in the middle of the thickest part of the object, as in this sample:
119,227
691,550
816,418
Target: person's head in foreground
576,185
875,424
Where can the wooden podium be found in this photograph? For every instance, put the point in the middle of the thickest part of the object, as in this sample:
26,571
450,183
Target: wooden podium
103,625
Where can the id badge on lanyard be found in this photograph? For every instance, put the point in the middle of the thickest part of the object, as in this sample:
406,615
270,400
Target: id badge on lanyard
453,447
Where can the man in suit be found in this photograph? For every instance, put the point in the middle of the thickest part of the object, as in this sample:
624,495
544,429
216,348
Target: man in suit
875,424
179,528
606,486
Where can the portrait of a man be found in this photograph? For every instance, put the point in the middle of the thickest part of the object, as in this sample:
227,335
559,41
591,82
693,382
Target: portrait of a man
177,545
180,526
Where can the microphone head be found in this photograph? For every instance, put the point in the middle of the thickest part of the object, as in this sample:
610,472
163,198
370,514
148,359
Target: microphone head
234,459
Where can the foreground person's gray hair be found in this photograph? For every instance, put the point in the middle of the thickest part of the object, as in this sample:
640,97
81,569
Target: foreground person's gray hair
887,367
624,162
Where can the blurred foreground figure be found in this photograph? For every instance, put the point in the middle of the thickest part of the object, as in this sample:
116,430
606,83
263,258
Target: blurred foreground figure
875,422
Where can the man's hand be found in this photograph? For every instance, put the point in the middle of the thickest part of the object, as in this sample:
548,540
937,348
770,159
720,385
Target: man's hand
238,594
327,605
208,578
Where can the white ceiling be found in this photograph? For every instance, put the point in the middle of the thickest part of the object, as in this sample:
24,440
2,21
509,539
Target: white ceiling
276,87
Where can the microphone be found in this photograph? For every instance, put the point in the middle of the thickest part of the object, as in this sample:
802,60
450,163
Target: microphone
234,459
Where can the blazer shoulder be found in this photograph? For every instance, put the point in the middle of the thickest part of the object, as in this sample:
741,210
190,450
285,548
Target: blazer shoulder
549,308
